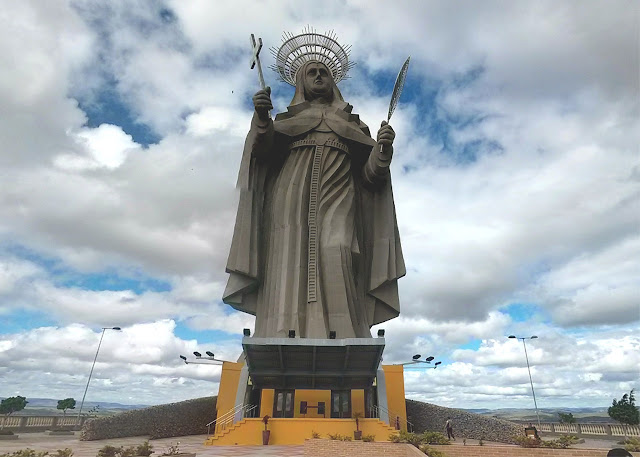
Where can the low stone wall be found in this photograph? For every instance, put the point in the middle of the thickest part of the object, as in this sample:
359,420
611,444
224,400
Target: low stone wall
163,421
428,417
334,448
512,451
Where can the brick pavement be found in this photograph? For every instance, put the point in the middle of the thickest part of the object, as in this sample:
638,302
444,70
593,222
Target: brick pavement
43,442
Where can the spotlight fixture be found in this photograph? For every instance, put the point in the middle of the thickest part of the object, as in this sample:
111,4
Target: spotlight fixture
429,359
183,358
210,354
381,333
332,334
246,332
197,354
438,363
292,333
416,357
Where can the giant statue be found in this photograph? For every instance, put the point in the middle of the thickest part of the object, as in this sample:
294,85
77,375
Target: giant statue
315,246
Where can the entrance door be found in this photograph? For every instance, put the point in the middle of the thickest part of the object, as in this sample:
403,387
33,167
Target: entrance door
283,403
340,403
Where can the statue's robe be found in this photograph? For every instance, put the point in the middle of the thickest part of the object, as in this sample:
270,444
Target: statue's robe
315,246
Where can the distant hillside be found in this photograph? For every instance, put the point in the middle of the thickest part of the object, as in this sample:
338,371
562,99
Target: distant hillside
48,406
583,415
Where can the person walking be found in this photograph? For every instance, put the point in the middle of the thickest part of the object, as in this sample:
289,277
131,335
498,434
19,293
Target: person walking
449,428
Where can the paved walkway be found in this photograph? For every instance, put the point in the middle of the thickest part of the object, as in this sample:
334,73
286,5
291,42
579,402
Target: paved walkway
44,442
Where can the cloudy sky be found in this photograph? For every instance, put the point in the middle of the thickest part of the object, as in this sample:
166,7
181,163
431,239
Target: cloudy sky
516,180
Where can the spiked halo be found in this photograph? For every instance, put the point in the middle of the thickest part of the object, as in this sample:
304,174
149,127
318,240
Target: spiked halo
310,45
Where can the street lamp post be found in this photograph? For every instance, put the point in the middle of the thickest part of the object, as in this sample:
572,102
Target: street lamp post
533,392
211,360
416,359
91,372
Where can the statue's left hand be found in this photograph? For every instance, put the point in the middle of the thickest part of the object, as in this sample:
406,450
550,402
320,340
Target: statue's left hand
386,135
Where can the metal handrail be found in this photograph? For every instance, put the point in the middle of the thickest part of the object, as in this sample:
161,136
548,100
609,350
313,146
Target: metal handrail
377,409
245,410
228,417
232,411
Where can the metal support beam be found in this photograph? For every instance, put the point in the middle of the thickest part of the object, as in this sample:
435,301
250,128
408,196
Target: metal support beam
243,382
383,407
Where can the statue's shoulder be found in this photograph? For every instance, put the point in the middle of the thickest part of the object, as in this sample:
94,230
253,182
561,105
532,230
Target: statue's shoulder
293,110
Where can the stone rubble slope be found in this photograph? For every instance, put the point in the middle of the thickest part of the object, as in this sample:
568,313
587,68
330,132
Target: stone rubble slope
162,421
429,417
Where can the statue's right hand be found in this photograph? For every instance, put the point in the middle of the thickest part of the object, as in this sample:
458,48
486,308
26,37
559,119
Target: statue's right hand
262,103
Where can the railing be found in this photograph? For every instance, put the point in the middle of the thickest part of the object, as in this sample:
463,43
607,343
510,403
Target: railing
590,429
395,420
41,423
221,423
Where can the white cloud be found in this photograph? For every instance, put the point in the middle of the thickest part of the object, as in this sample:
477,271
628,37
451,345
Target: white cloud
549,217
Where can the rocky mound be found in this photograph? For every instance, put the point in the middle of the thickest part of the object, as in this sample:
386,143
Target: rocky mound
163,421
428,417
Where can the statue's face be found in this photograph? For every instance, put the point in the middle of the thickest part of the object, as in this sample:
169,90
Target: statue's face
317,80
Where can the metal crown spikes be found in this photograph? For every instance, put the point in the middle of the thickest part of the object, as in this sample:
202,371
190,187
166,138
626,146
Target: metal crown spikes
310,45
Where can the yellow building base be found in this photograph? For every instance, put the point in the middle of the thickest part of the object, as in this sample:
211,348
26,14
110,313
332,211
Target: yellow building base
297,430
234,393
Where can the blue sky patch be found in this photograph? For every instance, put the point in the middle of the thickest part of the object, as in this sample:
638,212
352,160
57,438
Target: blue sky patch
474,345
21,320
113,281
63,276
108,107
523,312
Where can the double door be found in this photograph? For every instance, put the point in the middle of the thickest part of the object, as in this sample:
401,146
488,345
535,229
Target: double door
283,403
340,404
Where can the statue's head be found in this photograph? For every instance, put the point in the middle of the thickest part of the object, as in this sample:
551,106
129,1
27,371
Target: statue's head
314,82
317,81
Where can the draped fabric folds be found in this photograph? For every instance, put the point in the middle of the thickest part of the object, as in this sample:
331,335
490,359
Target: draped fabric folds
315,246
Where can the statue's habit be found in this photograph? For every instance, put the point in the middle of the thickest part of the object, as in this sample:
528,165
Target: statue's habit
315,246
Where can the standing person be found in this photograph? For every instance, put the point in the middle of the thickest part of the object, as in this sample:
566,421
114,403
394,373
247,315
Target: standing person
449,428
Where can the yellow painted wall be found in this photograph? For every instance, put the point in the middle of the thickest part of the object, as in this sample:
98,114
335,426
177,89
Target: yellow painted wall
394,380
357,401
295,431
312,397
266,402
228,388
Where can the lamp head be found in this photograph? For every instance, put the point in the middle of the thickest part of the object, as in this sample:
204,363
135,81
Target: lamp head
183,358
430,358
210,354
512,336
197,354
116,328
534,337
438,363
416,357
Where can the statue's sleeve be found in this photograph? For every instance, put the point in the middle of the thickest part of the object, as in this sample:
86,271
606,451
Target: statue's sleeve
261,137
243,262
376,169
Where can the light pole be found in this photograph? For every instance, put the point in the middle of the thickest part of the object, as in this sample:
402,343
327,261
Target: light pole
91,372
416,359
533,392
199,356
